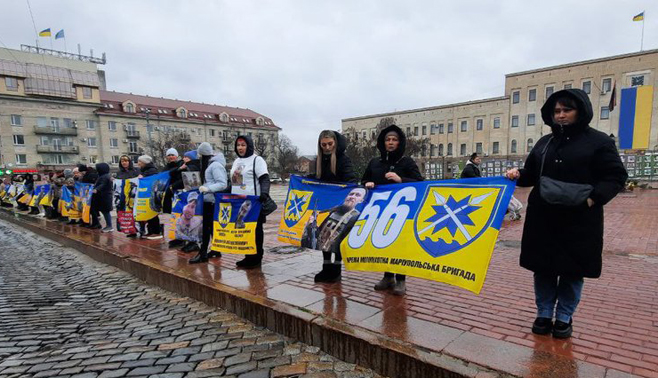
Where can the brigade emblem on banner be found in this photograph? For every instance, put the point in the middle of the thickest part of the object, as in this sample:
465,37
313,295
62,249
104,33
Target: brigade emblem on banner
453,216
225,214
296,206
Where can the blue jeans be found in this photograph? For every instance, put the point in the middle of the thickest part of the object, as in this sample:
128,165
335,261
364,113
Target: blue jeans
564,290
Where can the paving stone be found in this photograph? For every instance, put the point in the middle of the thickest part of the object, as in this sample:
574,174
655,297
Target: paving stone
289,370
184,367
125,357
263,373
114,373
241,368
214,346
171,360
210,364
148,370
272,362
237,359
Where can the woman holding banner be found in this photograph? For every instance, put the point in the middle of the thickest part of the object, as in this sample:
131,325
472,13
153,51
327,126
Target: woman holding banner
102,198
126,172
332,165
249,176
574,170
150,229
214,180
391,167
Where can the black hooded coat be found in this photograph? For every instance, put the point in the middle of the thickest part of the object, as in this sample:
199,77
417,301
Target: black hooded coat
560,240
264,180
102,199
394,161
129,173
344,168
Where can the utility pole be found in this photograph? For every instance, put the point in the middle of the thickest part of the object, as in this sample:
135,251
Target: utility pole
148,131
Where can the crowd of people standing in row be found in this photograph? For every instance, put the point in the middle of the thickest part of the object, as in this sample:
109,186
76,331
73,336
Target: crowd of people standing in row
574,171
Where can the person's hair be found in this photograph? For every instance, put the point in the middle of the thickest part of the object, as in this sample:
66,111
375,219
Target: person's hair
318,160
473,156
567,101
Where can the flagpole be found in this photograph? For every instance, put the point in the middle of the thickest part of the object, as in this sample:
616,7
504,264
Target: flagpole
642,40
65,48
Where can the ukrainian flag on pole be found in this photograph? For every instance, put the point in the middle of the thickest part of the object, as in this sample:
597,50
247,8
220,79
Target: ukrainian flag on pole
639,17
635,117
45,33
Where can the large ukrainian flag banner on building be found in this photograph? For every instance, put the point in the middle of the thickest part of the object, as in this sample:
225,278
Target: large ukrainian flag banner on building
150,194
635,117
234,224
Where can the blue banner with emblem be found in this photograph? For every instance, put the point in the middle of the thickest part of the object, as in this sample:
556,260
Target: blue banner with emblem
234,223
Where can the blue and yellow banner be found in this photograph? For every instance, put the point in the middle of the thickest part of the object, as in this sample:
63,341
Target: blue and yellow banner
45,33
234,224
82,198
319,215
150,194
635,117
186,222
639,17
66,204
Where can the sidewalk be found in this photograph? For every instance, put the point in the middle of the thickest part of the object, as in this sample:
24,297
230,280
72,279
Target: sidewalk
615,327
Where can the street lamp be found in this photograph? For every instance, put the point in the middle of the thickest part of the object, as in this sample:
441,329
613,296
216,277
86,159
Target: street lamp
148,131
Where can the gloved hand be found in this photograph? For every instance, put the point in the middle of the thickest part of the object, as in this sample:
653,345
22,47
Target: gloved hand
204,189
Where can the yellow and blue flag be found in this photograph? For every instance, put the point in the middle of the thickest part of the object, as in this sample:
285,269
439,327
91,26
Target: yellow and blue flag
635,117
60,34
45,33
639,17
234,224
150,196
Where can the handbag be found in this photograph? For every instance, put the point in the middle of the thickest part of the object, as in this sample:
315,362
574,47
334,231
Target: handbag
556,192
268,206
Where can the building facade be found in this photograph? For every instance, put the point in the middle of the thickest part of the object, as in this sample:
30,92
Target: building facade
504,129
55,113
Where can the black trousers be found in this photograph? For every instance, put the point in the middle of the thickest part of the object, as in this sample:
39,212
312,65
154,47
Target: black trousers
207,231
260,237
151,226
398,277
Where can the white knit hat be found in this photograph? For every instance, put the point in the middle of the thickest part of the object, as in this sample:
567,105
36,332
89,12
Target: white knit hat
172,151
145,159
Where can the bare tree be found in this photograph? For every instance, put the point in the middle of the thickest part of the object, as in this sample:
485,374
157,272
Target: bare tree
260,146
384,123
286,157
164,140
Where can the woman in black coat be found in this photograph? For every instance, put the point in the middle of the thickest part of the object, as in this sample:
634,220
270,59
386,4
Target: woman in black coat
391,167
563,243
150,229
332,165
102,198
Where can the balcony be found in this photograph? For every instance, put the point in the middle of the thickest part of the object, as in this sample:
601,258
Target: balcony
55,131
58,149
132,134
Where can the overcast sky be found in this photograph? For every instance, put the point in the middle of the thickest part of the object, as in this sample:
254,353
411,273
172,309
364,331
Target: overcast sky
308,64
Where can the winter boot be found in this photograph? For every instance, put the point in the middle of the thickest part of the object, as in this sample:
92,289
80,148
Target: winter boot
385,283
324,273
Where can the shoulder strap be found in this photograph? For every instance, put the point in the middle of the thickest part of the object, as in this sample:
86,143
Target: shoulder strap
543,157
253,171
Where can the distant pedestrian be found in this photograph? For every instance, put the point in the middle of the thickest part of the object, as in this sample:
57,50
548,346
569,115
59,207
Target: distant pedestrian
575,170
391,167
472,168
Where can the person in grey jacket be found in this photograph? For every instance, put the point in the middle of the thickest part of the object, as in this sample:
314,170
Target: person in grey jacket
214,180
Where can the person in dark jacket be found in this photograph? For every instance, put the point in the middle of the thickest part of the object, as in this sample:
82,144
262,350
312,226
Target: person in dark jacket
173,163
102,198
332,165
562,244
126,168
88,175
391,167
150,229
472,168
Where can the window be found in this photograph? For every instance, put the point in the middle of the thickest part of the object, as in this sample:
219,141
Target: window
86,92
496,124
16,120
532,95
463,127
93,159
441,149
424,129
212,132
408,131
432,148
606,86
549,91
182,113
449,149
11,83
479,124
567,86
432,129
114,143
450,128
54,122
605,112
68,123
495,149
415,130
91,125
462,149
91,142
515,121
587,86
513,149
112,125
129,108
531,119
637,80
441,128
21,159
115,159
223,117
42,122
529,145
516,95
478,148
19,140
132,147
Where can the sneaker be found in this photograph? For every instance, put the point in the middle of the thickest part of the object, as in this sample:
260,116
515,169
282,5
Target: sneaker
385,283
542,326
562,330
153,236
107,229
400,288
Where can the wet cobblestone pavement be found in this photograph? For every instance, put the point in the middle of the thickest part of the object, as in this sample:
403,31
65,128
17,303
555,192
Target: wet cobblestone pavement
65,315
